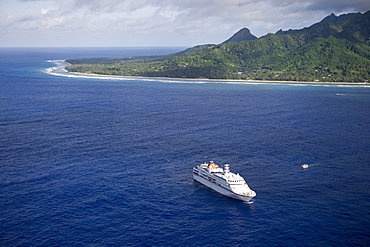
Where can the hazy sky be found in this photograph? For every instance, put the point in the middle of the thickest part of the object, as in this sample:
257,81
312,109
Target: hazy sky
155,22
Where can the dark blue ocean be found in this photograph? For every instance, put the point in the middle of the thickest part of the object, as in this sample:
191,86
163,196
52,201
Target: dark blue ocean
92,162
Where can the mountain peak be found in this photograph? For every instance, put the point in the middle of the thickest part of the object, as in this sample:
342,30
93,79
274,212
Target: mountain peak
334,19
243,34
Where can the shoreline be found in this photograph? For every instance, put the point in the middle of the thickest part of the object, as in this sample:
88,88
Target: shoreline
230,81
62,64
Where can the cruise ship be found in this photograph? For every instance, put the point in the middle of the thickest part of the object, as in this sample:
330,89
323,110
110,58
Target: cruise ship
223,181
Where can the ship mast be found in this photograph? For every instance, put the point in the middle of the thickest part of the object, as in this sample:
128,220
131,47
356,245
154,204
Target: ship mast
226,168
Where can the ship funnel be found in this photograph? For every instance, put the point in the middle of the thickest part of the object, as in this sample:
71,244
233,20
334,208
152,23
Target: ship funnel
226,168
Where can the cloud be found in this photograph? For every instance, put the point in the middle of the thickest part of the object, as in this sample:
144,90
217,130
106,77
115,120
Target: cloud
192,21
339,5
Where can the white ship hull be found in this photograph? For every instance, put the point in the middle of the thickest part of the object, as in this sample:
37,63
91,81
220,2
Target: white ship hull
220,189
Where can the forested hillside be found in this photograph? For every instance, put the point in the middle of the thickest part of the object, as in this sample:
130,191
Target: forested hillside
337,49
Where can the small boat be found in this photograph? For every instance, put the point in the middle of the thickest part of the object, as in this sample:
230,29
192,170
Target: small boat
304,166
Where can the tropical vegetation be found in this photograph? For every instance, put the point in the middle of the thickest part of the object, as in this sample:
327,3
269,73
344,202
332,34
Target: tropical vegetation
337,49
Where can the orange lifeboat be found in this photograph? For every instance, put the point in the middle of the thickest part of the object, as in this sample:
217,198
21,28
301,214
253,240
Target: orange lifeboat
212,165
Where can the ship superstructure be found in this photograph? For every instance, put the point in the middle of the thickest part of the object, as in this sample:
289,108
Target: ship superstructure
223,181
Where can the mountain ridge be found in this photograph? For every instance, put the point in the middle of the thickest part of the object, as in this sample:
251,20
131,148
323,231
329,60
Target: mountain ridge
335,49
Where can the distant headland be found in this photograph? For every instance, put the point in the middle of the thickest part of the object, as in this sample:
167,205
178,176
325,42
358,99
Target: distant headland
337,49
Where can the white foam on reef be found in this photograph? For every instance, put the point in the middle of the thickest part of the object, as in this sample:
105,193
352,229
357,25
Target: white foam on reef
59,70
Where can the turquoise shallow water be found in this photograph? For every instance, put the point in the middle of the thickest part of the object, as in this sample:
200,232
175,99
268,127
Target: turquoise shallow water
91,162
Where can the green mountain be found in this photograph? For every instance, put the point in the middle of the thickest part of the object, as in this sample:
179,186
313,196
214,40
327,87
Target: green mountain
337,49
243,34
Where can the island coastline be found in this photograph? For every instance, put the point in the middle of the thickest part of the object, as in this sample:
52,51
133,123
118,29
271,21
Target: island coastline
60,70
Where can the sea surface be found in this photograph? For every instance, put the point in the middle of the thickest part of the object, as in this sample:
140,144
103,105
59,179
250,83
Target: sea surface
86,161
